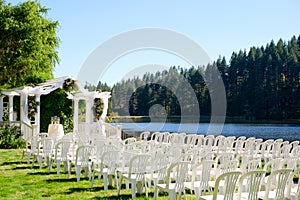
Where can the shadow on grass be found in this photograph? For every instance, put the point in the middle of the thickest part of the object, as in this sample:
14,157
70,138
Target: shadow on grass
13,163
61,180
25,167
126,196
41,173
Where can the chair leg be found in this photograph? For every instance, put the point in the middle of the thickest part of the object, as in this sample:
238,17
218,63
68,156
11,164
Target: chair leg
40,159
33,159
172,194
116,180
105,180
92,182
58,166
78,170
197,193
120,185
109,176
89,172
28,158
65,166
146,188
49,164
127,184
155,193
69,169
133,188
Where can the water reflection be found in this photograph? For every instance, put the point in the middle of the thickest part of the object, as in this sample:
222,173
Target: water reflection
264,131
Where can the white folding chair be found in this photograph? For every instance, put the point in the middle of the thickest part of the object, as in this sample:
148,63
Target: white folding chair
276,190
135,174
199,180
174,182
82,160
31,147
230,182
109,163
249,185
45,151
62,154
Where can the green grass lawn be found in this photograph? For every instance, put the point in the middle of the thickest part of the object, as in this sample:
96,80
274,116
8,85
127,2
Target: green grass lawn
18,180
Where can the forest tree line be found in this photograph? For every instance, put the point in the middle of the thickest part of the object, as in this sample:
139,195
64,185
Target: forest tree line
261,84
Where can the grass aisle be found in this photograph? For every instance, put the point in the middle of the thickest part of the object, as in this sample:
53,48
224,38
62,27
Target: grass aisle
18,180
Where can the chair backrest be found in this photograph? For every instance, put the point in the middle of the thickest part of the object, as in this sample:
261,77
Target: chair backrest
138,166
177,172
110,160
190,139
250,182
32,142
62,149
230,184
282,177
295,151
144,135
205,167
291,162
159,164
83,155
251,165
209,140
199,140
294,144
177,138
154,136
46,146
284,151
129,140
68,137
239,144
83,139
273,164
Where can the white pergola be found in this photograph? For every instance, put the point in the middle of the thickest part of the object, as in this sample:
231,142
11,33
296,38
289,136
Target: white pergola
45,88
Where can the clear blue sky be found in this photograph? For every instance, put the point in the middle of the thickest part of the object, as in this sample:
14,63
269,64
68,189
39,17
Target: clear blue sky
220,27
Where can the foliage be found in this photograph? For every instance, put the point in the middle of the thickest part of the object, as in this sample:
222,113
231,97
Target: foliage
32,106
56,104
10,137
28,43
98,108
5,114
263,83
69,85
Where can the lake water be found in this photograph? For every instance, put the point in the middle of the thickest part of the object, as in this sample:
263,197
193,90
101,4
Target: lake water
264,131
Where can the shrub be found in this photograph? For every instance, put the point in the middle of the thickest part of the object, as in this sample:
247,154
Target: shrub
10,137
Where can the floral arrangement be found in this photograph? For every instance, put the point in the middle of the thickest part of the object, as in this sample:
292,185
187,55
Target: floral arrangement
98,108
32,106
69,85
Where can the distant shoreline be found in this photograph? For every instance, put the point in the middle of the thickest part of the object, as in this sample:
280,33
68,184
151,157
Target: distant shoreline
194,119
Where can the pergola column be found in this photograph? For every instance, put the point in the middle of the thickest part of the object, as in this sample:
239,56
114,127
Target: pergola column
88,111
23,108
105,107
75,115
38,112
1,107
88,114
11,108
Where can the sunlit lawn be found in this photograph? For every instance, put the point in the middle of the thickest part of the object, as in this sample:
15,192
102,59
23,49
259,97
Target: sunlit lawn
18,180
